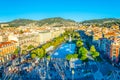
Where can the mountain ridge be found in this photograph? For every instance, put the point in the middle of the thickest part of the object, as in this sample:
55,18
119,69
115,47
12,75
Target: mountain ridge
105,22
58,21
23,22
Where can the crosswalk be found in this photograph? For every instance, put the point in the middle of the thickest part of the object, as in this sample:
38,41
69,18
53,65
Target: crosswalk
60,68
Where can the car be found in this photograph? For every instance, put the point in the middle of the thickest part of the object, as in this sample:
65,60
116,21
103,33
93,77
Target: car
1,67
1,74
9,64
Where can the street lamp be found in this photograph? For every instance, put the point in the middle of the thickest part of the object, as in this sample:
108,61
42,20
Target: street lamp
47,67
73,74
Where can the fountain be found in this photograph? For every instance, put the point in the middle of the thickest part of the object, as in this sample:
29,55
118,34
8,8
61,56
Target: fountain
70,39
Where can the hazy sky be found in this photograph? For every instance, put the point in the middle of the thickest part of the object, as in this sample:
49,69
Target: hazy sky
78,10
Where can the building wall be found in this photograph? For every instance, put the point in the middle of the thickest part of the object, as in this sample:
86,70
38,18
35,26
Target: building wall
4,25
115,49
28,40
6,50
45,36
0,38
3,38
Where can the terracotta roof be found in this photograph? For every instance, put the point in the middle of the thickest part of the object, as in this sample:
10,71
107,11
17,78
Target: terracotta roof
2,44
111,33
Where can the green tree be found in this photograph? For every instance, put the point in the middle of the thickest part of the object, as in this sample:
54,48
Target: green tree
76,35
40,52
93,52
30,47
83,57
48,58
33,55
69,56
45,46
92,49
79,43
24,51
75,55
17,51
83,53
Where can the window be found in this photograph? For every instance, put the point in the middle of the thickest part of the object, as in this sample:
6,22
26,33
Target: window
119,50
114,58
114,51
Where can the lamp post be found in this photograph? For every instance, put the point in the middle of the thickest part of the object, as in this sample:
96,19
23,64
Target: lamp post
73,74
47,68
112,61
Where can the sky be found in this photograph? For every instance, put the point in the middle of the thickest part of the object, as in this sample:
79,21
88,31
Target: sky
78,10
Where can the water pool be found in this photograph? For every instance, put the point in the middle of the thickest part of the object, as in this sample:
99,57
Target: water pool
63,50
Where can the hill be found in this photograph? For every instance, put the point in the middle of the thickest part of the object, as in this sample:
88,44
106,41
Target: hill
57,21
106,22
20,22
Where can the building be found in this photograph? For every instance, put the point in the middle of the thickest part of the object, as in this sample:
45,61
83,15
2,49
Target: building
44,36
105,45
6,50
3,38
115,50
56,33
4,25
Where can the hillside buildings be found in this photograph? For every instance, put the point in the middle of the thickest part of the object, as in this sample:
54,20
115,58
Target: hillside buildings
23,37
106,40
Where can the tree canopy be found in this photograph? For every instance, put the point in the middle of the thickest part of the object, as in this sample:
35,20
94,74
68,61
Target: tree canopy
79,43
93,52
71,56
83,53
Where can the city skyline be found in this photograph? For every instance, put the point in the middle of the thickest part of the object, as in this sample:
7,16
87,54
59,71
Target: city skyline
78,10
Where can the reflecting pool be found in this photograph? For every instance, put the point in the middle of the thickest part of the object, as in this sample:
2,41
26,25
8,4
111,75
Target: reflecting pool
63,50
